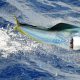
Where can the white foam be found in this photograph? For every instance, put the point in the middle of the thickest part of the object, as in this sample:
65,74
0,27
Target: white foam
9,44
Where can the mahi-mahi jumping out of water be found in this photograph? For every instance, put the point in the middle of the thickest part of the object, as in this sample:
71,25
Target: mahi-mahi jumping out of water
60,35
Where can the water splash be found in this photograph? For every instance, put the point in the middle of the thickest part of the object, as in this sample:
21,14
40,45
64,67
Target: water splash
17,52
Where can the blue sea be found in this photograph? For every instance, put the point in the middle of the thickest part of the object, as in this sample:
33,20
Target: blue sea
24,59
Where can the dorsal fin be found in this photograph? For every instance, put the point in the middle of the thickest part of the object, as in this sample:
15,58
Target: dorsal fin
62,26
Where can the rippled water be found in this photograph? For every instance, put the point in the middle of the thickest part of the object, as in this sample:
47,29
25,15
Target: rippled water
24,59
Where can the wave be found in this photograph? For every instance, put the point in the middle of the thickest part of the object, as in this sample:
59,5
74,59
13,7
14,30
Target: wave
32,12
22,58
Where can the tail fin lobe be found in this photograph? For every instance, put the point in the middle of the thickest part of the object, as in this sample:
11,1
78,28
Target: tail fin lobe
17,23
16,20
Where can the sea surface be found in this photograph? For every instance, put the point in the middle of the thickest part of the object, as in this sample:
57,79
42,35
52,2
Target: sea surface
24,59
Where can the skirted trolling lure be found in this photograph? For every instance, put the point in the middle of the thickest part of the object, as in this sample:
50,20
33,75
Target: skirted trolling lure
61,34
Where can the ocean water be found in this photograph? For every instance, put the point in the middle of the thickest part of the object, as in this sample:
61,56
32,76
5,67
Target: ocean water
24,59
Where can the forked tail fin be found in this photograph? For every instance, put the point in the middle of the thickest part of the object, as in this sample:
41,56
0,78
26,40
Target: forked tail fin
17,23
17,27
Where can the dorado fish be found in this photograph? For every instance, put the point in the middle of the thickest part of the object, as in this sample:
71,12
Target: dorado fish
62,34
